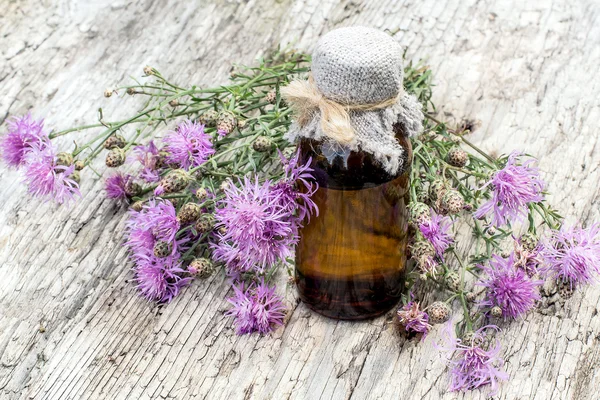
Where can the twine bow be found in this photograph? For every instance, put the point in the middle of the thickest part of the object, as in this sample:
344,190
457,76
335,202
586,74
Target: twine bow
305,99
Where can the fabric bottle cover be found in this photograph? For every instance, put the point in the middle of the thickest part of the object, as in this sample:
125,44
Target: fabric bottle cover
359,70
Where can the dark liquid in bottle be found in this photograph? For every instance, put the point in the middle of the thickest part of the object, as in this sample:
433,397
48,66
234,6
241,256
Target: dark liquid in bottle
350,260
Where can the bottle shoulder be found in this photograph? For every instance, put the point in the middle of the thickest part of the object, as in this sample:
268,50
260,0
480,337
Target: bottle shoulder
338,168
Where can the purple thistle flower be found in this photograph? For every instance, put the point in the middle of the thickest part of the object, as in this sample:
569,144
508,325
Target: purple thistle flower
147,156
156,221
116,186
509,287
472,366
258,230
435,230
296,188
413,319
256,308
24,134
159,279
188,146
47,180
513,188
572,255
160,217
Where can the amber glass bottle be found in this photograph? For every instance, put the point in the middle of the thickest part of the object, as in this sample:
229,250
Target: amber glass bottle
351,258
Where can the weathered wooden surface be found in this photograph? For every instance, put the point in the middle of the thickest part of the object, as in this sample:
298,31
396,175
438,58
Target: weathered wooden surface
71,326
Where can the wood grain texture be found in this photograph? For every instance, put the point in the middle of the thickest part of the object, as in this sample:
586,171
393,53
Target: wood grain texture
71,325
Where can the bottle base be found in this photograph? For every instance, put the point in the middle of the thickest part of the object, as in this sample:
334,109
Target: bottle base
350,299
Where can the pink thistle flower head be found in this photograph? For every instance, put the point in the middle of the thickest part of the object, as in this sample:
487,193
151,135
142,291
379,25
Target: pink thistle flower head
471,365
513,188
117,186
256,308
436,231
48,180
572,254
188,146
258,229
24,134
509,287
297,187
147,156
413,319
160,279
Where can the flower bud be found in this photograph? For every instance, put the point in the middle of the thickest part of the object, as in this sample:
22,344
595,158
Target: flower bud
175,181
132,188
241,124
472,339
470,296
421,247
115,158
162,249
437,188
457,157
79,165
173,103
65,159
108,92
148,70
529,241
137,206
453,281
190,212
226,122
76,176
491,230
452,202
565,290
224,185
115,141
262,144
418,213
496,312
201,267
439,312
205,224
209,118
202,194
131,91
271,96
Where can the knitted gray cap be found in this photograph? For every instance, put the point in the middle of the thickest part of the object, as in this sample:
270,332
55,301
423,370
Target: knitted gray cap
359,66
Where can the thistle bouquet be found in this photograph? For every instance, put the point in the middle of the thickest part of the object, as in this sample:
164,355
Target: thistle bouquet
211,186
